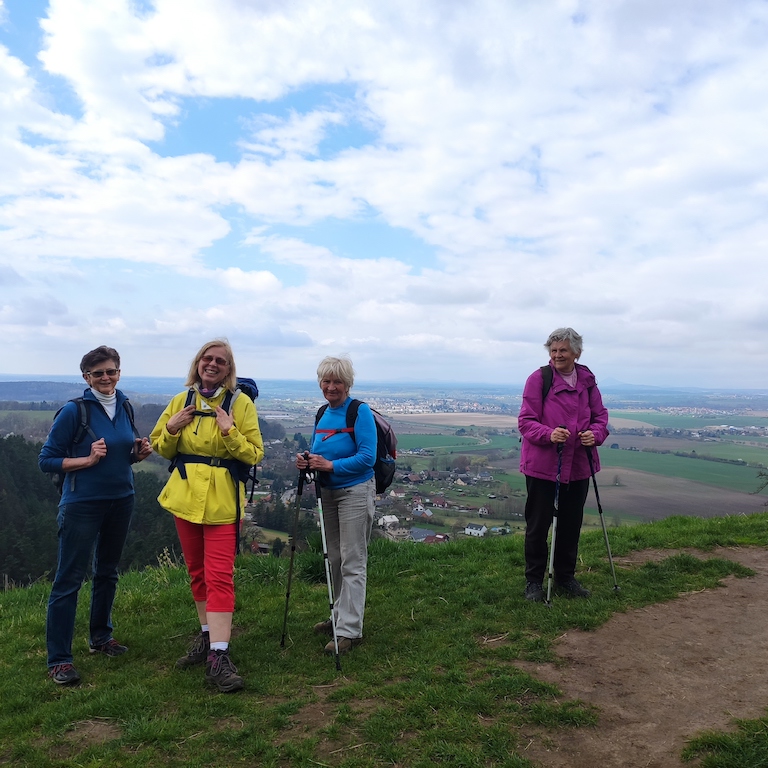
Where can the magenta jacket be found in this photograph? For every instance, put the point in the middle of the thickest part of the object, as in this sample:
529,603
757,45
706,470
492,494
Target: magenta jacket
577,409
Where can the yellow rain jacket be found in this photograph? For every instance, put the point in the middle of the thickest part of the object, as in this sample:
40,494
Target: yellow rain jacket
208,494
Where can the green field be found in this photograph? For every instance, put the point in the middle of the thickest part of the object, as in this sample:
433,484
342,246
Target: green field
44,417
735,451
429,442
503,442
732,477
682,421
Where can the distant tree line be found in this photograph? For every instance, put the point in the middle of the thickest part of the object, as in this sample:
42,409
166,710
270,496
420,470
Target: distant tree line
28,509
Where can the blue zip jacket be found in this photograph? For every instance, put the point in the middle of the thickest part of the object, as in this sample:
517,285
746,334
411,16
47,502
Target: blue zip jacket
353,459
112,477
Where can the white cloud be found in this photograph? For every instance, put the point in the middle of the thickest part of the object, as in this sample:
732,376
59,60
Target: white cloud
596,164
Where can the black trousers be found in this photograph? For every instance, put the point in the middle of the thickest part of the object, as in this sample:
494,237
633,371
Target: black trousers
539,510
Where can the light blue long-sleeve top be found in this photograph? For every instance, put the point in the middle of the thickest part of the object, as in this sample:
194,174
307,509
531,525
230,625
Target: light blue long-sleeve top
353,454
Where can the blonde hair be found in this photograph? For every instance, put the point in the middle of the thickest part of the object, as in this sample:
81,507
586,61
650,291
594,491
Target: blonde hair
340,367
230,380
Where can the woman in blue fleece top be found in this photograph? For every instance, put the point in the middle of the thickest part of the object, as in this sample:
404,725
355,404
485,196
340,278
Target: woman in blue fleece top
344,461
95,509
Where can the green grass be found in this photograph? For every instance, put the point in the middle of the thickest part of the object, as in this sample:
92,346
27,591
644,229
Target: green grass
423,690
746,748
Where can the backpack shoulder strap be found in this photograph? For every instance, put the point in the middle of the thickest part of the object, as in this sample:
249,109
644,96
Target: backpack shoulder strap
84,425
229,400
131,417
546,380
190,397
351,417
320,411
352,410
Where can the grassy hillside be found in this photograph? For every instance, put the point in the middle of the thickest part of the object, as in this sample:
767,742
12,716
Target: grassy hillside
426,688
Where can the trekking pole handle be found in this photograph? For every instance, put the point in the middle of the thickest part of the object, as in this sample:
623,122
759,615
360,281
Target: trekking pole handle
588,449
304,474
560,445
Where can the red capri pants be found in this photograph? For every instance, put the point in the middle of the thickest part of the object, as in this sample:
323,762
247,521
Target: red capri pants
209,551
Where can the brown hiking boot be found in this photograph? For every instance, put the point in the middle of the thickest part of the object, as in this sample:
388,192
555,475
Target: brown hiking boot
197,652
220,671
324,628
346,644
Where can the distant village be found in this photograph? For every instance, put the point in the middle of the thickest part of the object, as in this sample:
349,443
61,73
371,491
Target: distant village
422,508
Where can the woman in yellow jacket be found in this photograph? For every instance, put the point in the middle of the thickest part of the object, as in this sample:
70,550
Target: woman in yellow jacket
200,494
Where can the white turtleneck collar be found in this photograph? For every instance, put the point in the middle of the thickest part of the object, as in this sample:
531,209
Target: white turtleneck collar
108,402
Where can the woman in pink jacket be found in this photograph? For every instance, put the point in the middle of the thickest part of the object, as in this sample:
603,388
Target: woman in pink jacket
562,406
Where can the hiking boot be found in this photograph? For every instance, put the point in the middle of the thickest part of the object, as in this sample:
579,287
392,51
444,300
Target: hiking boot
197,652
534,592
323,628
222,672
346,644
572,588
110,648
64,674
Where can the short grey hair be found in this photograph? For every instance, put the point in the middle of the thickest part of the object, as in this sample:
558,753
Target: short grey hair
340,367
569,335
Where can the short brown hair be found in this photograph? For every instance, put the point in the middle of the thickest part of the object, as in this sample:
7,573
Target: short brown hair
99,355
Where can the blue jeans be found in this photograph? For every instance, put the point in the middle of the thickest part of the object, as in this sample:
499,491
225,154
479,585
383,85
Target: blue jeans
84,527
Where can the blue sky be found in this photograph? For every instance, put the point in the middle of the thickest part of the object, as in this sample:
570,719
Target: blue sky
428,186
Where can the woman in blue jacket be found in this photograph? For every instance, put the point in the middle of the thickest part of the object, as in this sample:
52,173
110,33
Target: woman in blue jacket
343,461
95,508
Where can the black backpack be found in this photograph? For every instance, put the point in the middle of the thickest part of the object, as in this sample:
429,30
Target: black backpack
386,442
83,429
547,376
240,471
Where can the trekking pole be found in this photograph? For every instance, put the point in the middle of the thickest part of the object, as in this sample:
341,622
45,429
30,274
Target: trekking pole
303,475
551,571
327,573
602,519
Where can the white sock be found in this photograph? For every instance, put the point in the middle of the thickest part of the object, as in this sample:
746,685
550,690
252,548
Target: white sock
219,646
204,628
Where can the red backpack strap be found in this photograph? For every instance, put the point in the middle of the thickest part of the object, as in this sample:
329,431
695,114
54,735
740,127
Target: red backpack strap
351,418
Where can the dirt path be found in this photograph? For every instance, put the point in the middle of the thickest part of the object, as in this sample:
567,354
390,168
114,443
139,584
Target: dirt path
663,674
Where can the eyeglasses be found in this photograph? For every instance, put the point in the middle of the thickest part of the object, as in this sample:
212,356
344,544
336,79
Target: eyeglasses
98,374
208,359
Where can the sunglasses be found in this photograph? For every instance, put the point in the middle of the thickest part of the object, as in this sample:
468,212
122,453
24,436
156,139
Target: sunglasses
208,359
100,373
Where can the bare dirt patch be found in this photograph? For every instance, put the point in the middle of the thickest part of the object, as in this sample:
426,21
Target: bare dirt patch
662,674
314,719
81,735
